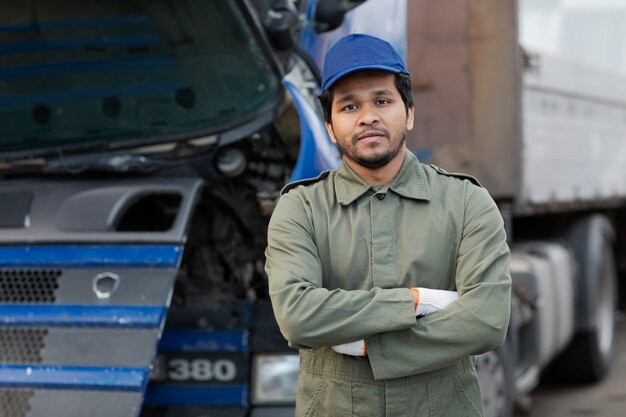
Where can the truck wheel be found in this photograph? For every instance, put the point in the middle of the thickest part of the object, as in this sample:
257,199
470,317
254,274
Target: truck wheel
589,356
495,376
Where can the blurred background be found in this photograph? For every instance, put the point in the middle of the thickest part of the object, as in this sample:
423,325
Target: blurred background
144,145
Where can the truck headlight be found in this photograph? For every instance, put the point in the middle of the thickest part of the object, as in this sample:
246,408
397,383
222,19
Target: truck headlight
275,379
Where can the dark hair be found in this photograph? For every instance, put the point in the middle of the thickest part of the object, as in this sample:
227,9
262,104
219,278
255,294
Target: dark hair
403,85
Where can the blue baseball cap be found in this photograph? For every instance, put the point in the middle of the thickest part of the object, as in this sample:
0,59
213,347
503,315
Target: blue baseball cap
359,52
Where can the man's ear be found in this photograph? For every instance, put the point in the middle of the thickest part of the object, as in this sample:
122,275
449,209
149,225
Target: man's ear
329,129
410,118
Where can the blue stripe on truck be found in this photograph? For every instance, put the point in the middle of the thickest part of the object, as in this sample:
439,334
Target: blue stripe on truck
130,20
148,90
119,255
138,40
199,341
73,377
75,316
83,67
196,395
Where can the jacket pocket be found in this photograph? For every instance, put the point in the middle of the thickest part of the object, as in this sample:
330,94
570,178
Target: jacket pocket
455,394
321,396
309,388
367,400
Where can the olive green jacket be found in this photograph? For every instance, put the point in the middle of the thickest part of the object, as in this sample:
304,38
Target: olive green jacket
342,254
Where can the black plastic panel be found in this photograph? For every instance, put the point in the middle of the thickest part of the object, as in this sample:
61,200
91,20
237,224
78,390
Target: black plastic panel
14,208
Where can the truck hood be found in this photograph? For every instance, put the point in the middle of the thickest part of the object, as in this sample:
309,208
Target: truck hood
109,75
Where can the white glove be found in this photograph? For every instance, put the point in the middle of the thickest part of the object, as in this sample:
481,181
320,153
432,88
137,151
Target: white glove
354,349
432,300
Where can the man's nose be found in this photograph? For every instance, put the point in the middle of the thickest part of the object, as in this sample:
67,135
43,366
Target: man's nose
369,115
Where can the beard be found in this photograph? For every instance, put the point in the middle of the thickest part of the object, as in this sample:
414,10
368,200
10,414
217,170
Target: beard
373,160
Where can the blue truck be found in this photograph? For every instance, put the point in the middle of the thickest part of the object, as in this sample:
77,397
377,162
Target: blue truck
143,146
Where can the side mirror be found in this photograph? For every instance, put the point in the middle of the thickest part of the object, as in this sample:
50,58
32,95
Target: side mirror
329,14
281,25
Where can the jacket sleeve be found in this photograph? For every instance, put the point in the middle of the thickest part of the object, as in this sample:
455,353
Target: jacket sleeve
477,322
308,314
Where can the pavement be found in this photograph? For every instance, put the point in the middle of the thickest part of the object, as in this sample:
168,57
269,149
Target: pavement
604,399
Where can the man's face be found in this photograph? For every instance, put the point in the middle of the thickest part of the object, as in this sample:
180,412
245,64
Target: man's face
369,120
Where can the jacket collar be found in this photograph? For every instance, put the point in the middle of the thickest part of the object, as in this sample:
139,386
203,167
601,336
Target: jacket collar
410,182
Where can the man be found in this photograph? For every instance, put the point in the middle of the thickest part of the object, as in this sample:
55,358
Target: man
365,263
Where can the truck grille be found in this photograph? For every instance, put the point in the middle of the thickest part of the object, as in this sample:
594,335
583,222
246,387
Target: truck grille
21,345
28,285
14,402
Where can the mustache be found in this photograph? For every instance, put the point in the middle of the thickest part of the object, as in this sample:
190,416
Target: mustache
370,132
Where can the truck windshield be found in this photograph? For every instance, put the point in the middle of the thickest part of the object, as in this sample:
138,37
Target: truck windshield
81,73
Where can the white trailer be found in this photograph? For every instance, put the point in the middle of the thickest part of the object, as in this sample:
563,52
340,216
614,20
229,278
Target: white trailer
530,97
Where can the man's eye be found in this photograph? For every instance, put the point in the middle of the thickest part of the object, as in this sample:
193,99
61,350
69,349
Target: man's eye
383,101
348,107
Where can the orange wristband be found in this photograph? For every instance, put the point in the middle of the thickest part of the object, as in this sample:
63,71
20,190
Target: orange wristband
416,296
